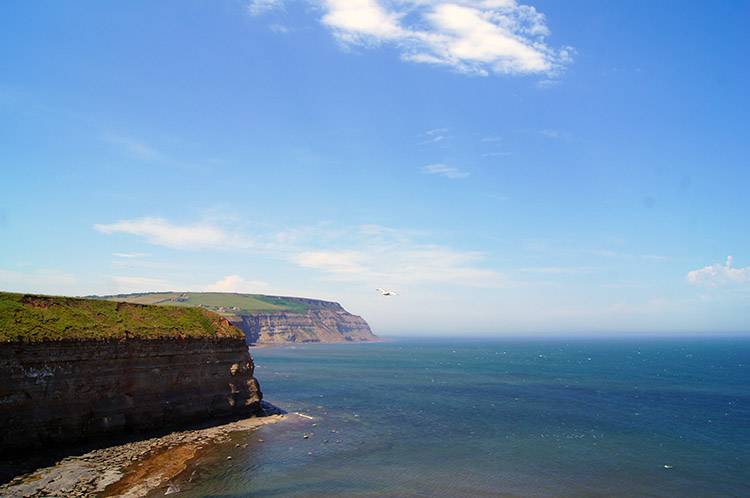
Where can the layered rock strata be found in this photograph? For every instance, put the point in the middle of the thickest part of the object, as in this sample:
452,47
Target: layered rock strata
324,322
66,391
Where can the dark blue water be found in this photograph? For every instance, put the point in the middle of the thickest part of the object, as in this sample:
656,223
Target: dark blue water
505,418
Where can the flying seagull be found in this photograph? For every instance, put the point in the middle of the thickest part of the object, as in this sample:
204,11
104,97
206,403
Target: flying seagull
385,292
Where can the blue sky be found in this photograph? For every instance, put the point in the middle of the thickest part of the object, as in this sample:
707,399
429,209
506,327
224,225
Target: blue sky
514,168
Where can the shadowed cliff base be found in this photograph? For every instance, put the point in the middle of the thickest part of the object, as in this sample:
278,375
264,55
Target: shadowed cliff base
124,468
15,464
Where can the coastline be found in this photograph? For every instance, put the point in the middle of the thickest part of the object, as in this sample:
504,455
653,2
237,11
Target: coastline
135,468
130,470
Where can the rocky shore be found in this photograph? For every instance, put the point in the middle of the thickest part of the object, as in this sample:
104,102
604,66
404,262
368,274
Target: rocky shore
130,470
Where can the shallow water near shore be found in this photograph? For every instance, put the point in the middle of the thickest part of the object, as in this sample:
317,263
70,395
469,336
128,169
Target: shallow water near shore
506,418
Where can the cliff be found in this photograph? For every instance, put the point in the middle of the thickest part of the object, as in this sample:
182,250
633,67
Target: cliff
79,369
323,321
271,319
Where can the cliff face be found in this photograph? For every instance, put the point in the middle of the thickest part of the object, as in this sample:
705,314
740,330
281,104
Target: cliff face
324,322
77,369
56,392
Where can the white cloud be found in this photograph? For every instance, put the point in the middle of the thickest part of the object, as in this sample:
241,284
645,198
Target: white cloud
444,170
362,21
236,283
719,275
161,232
471,36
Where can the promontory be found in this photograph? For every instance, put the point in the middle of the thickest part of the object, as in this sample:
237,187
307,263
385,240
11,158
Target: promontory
75,369
270,319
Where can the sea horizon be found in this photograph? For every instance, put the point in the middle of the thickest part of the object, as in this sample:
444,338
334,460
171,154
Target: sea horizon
506,417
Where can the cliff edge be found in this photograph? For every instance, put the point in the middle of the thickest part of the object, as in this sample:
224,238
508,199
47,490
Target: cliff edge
78,369
270,319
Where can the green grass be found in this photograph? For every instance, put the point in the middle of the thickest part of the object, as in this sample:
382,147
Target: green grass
31,317
227,304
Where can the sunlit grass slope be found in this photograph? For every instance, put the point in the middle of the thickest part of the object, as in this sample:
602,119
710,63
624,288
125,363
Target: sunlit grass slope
227,304
30,317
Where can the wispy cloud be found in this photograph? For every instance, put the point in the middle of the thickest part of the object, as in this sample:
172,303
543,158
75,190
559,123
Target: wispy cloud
280,29
492,139
622,308
476,37
719,275
218,232
236,283
257,7
552,133
652,306
376,254
433,136
129,255
146,152
444,170
368,253
402,263
432,140
35,279
557,270
193,236
497,154
605,252
339,263
136,149
141,282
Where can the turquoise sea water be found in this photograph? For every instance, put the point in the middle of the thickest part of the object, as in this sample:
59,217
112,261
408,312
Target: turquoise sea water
504,418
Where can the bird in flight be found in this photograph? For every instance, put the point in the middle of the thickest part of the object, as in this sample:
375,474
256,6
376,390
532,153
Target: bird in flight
386,292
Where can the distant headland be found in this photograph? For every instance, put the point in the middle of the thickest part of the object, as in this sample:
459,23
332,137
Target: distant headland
268,320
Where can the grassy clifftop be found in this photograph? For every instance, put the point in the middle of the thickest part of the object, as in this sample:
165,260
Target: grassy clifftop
229,305
30,317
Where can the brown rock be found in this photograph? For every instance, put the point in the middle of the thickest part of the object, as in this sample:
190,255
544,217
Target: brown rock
61,392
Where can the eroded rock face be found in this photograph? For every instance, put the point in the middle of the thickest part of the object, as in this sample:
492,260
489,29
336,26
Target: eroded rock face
327,322
57,392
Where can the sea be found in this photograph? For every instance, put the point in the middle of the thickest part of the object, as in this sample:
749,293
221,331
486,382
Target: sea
524,418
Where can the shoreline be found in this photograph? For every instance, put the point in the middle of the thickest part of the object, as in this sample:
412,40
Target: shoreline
129,470
266,345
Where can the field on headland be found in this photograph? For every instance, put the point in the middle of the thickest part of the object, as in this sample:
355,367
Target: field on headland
227,304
